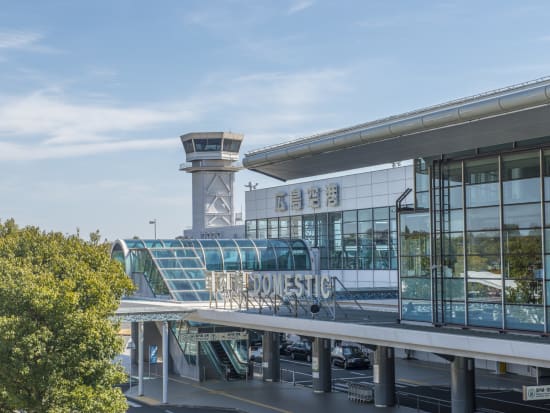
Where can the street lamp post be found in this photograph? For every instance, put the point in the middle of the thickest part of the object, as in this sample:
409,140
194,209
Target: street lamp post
131,346
154,222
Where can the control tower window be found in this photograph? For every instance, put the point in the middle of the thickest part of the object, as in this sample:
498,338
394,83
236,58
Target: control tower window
188,146
208,145
231,145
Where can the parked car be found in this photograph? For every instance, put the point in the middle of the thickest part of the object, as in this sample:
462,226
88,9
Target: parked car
256,354
284,348
349,357
301,350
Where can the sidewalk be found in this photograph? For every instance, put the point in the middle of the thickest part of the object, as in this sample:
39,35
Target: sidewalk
253,396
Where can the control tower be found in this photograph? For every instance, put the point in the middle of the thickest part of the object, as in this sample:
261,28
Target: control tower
211,158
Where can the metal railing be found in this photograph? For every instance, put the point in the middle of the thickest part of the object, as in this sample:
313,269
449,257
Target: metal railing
360,393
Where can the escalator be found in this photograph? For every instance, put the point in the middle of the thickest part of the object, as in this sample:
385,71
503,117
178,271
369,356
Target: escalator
225,359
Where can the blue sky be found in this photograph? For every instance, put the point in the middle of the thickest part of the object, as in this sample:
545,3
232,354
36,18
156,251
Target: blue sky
95,94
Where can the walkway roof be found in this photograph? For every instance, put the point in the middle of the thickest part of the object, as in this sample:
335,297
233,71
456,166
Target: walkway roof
374,329
507,115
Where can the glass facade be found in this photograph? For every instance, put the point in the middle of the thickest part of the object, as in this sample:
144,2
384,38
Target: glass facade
177,267
478,253
364,239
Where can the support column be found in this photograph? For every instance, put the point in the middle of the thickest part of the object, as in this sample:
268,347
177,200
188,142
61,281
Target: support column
462,385
165,361
543,376
383,371
270,359
140,358
320,365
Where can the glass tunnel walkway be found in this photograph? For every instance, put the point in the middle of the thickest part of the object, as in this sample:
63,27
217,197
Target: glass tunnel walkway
176,268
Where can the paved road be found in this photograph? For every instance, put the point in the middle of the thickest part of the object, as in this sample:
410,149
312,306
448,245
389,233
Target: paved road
416,386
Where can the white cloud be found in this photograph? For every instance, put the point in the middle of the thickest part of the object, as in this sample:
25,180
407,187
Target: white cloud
18,39
300,5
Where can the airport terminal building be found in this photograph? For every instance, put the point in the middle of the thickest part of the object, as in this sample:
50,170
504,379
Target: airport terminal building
454,217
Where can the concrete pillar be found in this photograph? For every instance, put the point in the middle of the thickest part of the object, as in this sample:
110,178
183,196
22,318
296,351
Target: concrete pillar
383,371
462,385
500,367
165,361
320,365
140,358
271,362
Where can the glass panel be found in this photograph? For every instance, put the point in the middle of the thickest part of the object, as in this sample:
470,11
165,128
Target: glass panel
350,216
422,182
200,144
453,289
482,219
523,291
454,313
284,259
365,247
456,221
284,227
520,166
523,190
231,259
485,314
482,195
350,227
452,174
209,243
416,288
251,228
174,274
296,226
481,171
162,253
522,216
422,200
246,243
249,259
308,234
455,197
483,266
364,227
525,317
213,259
168,263
301,259
523,266
486,242
213,145
190,263
415,266
453,266
188,146
364,214
268,260
525,241
381,213
262,229
417,310
547,214
273,228
485,289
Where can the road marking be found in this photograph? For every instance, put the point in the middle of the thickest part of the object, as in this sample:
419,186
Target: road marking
132,404
356,373
232,396
413,383
168,411
300,363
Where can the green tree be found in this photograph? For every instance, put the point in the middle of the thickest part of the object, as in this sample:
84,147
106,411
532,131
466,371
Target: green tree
57,343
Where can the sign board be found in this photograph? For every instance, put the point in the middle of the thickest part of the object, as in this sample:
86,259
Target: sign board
536,392
228,335
153,353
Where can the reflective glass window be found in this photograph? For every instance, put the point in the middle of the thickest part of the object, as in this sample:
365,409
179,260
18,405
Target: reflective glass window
416,288
231,145
415,266
483,266
365,251
188,146
454,312
523,291
453,289
485,289
231,259
527,266
364,214
485,314
200,145
482,219
482,194
485,242
249,259
452,174
213,145
273,228
262,229
284,227
251,228
526,241
268,259
213,259
525,317
522,216
481,171
296,226
417,310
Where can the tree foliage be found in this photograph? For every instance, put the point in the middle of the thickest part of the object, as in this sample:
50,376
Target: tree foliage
57,343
